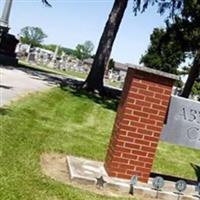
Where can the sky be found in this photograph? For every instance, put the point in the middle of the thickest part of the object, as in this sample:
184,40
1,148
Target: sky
72,22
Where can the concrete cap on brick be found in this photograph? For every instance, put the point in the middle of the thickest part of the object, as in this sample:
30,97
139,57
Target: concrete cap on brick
153,71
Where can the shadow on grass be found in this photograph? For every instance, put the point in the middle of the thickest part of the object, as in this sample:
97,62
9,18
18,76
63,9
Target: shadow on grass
24,68
109,103
39,74
196,170
4,111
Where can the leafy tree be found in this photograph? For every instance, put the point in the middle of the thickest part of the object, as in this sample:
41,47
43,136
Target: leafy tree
88,47
196,89
84,51
193,75
52,47
187,31
68,51
94,80
46,3
111,64
32,35
167,58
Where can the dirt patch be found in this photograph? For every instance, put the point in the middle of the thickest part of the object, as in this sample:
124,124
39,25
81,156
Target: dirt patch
54,165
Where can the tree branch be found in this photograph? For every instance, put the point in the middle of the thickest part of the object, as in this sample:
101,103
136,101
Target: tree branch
46,3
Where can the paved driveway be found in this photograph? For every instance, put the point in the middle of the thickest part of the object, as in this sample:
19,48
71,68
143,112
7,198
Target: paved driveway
17,82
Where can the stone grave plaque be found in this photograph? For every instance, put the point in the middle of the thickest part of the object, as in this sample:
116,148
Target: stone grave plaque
183,123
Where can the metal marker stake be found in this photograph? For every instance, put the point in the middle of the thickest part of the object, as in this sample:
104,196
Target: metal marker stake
158,183
180,186
198,189
157,193
179,195
134,180
131,191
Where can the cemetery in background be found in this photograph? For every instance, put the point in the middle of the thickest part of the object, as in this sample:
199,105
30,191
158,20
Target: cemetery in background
37,56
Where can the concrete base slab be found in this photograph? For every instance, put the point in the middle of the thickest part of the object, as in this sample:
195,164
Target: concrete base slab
86,171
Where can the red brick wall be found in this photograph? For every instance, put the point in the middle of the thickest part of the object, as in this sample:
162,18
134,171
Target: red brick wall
138,124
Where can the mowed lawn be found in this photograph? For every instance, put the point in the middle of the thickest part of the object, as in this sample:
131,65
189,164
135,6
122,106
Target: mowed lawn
68,122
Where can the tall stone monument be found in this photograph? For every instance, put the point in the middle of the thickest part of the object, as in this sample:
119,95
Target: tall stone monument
8,42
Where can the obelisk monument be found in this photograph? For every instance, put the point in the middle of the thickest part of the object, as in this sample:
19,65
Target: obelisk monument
4,20
8,42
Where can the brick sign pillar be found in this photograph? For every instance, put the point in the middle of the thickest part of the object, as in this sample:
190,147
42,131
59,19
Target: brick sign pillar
138,124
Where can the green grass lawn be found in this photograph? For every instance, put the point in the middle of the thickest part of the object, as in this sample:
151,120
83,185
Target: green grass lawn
66,122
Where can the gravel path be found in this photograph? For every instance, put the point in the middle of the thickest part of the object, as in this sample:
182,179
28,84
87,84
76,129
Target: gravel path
18,82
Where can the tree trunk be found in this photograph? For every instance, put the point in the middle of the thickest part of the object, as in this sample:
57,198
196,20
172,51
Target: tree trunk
94,80
193,75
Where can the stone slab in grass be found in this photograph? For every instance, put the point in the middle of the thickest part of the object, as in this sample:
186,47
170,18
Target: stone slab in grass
84,171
